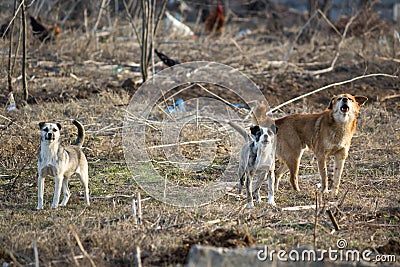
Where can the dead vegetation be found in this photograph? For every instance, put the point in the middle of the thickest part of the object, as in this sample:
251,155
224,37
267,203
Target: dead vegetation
72,78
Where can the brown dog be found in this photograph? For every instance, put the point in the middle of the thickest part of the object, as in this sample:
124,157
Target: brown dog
327,133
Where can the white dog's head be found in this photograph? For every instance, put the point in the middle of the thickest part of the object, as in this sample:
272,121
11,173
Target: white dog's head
49,132
345,107
263,135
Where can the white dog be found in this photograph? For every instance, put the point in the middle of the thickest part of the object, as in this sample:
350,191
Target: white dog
60,162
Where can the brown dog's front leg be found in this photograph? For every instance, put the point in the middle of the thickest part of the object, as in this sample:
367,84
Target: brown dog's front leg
337,175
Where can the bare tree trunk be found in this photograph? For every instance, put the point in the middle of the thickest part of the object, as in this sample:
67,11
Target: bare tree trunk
146,6
23,23
9,67
149,31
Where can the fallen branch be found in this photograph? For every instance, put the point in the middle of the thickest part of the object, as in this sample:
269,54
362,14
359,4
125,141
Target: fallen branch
333,220
339,46
305,207
390,97
329,86
78,241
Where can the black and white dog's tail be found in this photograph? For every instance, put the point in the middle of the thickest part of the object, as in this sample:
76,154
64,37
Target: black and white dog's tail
81,133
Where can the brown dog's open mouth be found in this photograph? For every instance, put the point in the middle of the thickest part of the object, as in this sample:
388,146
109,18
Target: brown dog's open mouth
344,108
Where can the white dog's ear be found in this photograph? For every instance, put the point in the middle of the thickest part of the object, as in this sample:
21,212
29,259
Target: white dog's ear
59,126
361,99
330,106
41,124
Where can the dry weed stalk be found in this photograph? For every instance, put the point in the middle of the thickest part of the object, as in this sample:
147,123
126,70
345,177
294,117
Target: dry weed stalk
35,252
138,260
137,209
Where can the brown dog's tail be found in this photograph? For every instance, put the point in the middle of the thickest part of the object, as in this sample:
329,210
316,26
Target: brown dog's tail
81,133
240,130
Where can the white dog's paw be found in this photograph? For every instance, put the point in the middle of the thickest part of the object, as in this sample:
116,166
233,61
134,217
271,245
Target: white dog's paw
54,206
250,205
271,201
39,207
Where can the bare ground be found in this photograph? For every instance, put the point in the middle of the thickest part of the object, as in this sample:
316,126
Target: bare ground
71,81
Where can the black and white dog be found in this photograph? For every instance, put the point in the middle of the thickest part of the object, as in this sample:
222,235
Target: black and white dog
257,154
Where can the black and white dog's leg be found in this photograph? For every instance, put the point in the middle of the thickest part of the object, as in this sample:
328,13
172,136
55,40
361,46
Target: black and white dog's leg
249,189
271,187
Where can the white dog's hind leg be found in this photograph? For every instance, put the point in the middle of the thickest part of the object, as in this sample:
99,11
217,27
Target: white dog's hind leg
66,191
84,176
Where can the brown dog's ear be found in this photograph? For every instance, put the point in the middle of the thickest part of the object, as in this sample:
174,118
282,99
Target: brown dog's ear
59,126
361,99
330,106
41,124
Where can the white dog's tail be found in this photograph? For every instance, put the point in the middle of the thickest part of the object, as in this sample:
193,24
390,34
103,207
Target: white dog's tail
81,133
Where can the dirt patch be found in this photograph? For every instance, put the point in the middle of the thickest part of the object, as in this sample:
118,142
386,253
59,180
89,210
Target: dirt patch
93,82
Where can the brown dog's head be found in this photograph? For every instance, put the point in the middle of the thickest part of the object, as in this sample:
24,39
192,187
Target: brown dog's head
346,106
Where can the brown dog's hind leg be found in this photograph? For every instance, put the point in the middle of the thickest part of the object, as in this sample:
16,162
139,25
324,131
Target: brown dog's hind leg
292,162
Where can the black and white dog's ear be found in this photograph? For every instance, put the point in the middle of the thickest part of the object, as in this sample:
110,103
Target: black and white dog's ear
274,129
41,124
59,126
254,129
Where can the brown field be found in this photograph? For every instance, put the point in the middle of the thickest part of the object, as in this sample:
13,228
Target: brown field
76,79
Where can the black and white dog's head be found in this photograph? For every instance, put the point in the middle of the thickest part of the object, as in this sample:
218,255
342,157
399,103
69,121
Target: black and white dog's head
49,132
263,135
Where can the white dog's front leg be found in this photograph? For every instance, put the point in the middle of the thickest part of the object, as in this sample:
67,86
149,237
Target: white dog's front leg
40,191
58,180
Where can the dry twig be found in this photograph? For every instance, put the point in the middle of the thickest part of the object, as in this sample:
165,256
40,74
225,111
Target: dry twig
329,86
78,241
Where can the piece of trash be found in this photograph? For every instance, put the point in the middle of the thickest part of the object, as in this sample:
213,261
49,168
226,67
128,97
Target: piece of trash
11,100
178,105
177,26
238,105
243,32
117,69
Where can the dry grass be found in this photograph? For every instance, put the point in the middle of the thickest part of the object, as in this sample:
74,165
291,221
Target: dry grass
369,215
